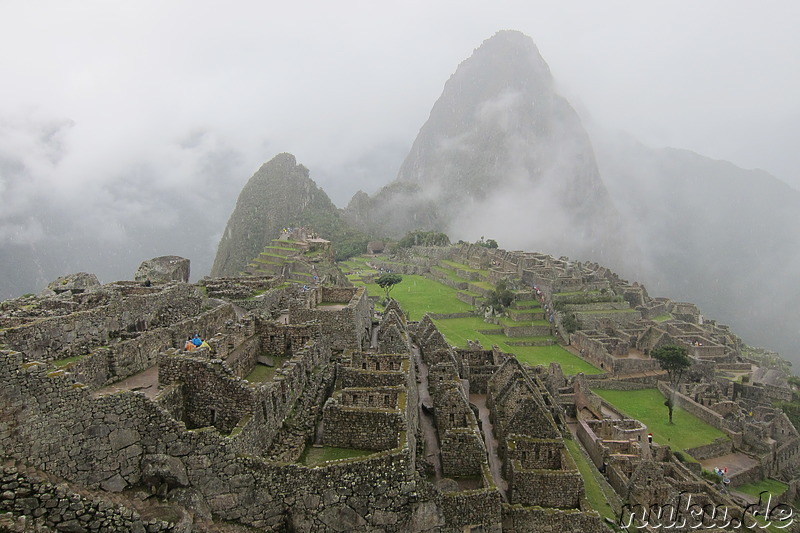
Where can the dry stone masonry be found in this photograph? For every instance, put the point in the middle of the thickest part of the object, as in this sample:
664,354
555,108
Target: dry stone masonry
107,423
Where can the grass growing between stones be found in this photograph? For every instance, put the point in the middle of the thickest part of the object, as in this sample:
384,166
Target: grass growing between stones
314,456
595,495
647,405
61,363
262,373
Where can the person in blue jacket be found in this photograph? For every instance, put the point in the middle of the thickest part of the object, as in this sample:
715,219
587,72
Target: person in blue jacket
197,341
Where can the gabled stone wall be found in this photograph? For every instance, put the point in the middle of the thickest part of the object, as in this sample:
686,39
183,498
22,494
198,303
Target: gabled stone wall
463,452
353,419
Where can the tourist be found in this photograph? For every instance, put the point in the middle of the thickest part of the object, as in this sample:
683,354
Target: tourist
189,346
204,344
197,341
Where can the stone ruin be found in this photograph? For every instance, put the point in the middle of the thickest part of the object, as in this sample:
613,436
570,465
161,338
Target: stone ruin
107,416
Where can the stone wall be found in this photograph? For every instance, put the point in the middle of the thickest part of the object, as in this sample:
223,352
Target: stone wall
212,394
56,506
541,472
355,377
591,443
463,452
545,488
519,519
715,449
78,333
368,418
472,509
346,328
109,364
284,340
103,442
762,393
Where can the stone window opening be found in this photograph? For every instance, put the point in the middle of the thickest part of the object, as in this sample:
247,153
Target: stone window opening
364,365
386,400
377,365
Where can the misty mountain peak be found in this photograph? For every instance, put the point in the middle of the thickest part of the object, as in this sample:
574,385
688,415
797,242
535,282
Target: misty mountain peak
500,153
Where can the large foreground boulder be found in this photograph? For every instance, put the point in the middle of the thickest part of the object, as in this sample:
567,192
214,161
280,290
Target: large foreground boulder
163,269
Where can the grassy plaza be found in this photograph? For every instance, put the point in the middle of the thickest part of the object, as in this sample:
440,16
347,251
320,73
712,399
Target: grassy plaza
419,295
647,406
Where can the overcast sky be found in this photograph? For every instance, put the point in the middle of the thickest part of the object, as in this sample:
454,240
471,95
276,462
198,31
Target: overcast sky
107,105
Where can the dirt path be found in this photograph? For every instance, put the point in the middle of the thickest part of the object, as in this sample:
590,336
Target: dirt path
495,465
432,451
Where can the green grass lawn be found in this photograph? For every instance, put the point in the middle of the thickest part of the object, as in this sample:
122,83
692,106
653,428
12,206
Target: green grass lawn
61,363
773,486
418,295
458,330
544,355
647,405
534,304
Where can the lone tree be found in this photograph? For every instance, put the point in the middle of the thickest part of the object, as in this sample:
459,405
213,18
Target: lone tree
388,281
500,297
675,361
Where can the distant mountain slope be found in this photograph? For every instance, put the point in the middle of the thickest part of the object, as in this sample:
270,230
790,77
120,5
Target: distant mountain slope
501,154
278,195
721,236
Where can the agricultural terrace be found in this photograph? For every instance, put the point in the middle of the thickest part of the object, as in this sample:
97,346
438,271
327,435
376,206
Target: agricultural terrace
647,406
458,330
418,295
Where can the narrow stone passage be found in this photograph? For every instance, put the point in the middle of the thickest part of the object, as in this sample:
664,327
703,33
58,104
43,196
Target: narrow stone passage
495,464
432,450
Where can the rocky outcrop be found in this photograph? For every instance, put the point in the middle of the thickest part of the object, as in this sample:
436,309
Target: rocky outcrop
75,283
163,269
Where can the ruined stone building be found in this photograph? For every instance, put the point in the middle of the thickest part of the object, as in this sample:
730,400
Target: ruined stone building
109,424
